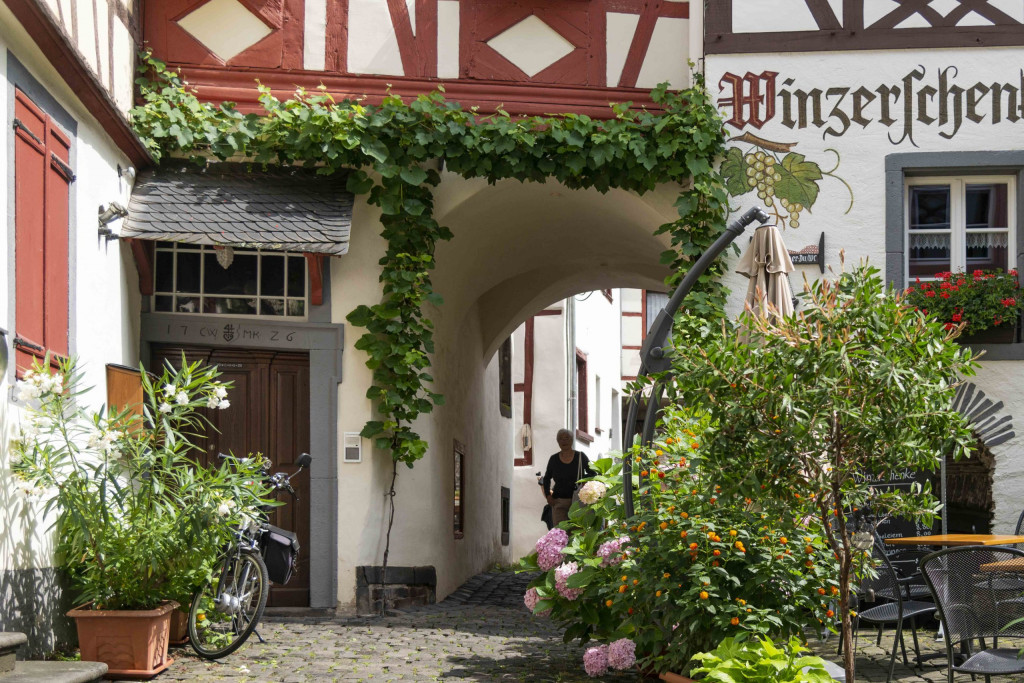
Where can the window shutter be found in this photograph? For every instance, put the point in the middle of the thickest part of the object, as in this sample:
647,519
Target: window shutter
29,220
42,178
58,188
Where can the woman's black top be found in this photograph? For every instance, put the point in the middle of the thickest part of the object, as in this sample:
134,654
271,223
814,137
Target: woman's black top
565,475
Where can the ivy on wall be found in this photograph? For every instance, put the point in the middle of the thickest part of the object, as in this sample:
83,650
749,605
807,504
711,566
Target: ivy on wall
394,147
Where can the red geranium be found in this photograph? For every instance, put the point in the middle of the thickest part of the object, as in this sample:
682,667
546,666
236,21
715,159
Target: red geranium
977,301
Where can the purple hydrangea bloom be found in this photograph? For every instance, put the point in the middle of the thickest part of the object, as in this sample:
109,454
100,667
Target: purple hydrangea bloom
595,661
549,548
611,551
562,575
622,654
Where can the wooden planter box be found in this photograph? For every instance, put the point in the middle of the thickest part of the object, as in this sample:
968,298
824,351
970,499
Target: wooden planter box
132,643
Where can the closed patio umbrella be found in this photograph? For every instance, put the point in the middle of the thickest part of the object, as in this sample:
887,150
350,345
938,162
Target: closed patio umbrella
767,264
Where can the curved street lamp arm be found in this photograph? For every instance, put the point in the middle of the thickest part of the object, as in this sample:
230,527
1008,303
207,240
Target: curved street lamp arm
653,358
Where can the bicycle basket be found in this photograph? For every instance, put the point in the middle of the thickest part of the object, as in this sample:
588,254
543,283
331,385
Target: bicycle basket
280,549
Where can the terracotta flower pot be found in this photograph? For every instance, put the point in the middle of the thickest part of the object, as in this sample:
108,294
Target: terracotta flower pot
179,627
670,677
132,643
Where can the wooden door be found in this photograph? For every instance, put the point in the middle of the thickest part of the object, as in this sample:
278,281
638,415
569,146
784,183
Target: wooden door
269,414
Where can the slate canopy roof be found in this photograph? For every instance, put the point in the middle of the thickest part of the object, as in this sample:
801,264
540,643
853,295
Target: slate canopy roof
242,205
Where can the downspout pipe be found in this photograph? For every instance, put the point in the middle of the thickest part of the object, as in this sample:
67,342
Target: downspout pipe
653,356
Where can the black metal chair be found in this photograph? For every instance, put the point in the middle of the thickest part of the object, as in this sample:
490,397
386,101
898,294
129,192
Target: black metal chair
968,585
887,589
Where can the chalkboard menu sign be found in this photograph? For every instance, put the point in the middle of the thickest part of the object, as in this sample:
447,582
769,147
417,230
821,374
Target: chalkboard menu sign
903,479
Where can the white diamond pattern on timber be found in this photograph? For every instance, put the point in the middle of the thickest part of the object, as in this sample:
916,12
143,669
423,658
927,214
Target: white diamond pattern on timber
225,27
944,7
531,45
940,13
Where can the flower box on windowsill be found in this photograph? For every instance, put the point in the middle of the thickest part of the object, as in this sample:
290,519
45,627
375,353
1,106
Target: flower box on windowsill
1000,334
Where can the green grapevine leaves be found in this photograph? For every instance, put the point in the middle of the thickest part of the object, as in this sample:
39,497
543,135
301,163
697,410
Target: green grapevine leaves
734,172
635,151
799,180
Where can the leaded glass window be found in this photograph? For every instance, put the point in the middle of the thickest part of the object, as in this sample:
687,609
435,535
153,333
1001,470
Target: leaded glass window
193,278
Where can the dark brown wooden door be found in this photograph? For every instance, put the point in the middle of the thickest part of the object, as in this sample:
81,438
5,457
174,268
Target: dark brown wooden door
269,414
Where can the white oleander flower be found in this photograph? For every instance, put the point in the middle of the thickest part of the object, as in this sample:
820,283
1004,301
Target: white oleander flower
212,402
29,429
181,398
28,390
223,509
165,407
592,491
170,389
224,404
220,391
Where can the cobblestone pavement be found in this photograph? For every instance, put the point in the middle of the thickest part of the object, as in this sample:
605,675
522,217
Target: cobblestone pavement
482,632
873,661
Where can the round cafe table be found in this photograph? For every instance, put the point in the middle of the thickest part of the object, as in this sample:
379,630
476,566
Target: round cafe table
953,540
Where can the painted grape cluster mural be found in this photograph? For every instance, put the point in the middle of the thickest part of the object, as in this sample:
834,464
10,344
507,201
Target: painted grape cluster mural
785,181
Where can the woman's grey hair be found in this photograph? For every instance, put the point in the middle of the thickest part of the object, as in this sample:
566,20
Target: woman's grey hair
563,432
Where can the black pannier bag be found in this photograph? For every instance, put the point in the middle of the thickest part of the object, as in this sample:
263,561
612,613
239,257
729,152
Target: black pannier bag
280,549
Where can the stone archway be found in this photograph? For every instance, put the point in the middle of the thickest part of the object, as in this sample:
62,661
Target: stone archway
970,498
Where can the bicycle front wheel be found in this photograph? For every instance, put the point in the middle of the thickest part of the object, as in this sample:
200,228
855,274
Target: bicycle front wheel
226,610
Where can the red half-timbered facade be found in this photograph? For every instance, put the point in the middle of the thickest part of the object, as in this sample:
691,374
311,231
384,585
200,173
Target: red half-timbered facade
527,56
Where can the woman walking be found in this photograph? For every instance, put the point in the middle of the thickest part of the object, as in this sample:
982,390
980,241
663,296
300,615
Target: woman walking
566,468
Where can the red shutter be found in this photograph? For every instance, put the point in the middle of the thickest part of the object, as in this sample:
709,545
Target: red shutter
58,181
41,178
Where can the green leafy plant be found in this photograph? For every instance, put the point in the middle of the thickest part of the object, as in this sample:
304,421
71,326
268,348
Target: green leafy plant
824,403
139,520
976,301
391,149
761,661
698,562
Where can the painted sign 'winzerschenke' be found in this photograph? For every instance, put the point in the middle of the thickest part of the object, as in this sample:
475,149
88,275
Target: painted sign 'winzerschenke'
919,99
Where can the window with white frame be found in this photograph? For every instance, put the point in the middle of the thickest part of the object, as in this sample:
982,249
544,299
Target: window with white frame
193,278
959,223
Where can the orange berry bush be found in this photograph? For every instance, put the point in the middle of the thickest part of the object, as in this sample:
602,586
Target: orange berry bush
719,571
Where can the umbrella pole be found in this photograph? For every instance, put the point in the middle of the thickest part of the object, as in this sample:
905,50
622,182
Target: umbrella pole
652,355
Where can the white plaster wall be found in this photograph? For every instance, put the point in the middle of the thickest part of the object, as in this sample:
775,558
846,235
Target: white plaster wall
598,334
372,44
667,55
86,23
860,155
550,413
104,299
508,259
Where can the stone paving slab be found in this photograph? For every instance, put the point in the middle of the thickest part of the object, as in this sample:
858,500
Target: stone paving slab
482,632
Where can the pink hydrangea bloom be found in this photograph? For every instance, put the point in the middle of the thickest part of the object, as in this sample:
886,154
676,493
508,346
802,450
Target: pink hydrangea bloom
622,654
562,575
530,599
595,661
611,551
549,548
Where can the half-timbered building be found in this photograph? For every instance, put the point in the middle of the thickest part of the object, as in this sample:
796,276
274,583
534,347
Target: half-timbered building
892,131
69,159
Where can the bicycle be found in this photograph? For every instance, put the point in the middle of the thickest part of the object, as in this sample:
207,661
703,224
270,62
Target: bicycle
226,610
